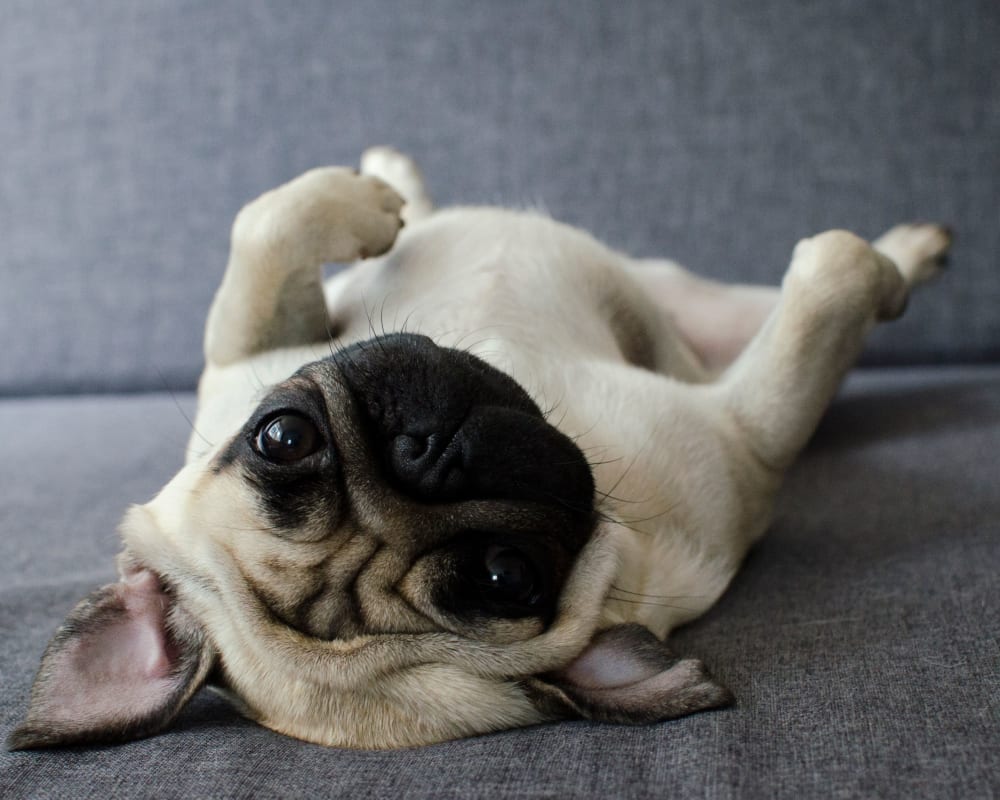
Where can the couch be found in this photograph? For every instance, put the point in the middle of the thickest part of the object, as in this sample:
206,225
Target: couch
862,638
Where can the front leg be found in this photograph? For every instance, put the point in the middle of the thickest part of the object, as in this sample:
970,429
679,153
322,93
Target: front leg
271,295
836,288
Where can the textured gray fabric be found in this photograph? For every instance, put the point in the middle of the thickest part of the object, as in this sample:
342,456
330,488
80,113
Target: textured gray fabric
715,132
860,639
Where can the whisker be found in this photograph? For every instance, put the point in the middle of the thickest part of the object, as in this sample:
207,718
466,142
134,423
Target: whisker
256,376
246,530
603,463
659,596
371,324
406,320
177,403
330,338
609,496
634,461
657,515
583,433
651,603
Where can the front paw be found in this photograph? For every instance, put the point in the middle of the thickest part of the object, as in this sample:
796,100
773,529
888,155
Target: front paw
330,214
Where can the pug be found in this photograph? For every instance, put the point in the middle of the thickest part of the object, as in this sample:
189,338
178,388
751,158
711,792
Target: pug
469,483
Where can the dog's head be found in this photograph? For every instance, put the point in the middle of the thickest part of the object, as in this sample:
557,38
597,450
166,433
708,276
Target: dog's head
396,549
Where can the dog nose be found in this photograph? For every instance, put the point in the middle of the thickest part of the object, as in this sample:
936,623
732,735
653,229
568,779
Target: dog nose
430,466
444,426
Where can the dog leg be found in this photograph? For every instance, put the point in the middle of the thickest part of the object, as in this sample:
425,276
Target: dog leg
836,289
402,174
917,248
719,320
271,295
716,319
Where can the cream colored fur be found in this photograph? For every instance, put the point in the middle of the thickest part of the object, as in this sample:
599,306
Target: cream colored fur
687,454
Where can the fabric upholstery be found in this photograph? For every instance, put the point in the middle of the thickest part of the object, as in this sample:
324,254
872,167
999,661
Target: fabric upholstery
860,639
716,132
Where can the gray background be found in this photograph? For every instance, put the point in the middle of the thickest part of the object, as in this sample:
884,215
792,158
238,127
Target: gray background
862,637
717,133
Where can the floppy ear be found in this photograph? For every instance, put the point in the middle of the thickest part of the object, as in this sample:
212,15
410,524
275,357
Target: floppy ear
120,667
627,675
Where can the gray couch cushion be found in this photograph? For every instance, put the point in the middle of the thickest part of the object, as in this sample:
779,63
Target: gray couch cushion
860,639
716,132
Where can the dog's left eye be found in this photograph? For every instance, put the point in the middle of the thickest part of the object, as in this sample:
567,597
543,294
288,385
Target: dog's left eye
509,577
287,438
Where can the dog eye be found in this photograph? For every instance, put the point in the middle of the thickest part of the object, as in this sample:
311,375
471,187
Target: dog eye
287,438
509,576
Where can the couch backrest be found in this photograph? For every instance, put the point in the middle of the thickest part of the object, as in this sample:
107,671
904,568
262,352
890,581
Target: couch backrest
717,132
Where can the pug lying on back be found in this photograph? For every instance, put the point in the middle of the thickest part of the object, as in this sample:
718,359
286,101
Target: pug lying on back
479,457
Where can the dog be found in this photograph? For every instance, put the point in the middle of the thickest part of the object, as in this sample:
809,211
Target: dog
439,494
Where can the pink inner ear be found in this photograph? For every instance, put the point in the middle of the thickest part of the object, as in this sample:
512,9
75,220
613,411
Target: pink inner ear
628,675
120,665
608,668
617,657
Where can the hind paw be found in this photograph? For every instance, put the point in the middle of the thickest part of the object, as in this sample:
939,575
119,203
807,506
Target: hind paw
918,249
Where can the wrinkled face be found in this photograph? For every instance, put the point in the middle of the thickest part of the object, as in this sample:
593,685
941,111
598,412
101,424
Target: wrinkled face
400,487
395,489
396,549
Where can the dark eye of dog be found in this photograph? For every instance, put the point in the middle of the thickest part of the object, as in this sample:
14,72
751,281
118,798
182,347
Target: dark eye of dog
509,576
287,438
499,576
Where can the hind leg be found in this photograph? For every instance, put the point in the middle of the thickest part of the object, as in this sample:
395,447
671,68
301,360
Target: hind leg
402,174
720,319
836,289
716,319
918,249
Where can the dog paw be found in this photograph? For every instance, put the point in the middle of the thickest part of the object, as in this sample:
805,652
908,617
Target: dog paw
373,216
329,214
918,249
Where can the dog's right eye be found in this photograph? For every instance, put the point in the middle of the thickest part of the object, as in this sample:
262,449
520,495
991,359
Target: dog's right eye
509,577
287,438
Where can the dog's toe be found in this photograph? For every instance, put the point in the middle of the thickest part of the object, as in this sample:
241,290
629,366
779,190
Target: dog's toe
919,249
